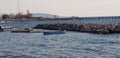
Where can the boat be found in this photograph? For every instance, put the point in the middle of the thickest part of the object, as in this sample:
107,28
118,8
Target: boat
7,28
21,31
2,21
26,30
51,32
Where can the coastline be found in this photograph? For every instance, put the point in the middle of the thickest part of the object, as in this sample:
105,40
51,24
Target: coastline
18,19
31,19
89,28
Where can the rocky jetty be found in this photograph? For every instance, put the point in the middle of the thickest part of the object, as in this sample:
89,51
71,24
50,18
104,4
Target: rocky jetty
91,28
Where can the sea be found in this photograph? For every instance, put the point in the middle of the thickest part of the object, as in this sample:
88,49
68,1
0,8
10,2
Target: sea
69,45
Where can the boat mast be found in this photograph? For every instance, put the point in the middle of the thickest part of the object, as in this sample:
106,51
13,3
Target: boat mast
18,7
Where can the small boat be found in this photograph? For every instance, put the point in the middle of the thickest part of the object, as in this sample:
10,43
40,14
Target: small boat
2,21
7,27
26,30
53,32
21,31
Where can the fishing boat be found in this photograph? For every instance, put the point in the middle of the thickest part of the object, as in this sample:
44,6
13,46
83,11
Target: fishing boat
21,31
50,32
26,30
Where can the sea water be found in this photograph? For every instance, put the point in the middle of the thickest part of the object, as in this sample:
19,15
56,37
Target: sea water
69,45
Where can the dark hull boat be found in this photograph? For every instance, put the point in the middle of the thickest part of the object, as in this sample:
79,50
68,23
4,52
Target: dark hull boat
53,32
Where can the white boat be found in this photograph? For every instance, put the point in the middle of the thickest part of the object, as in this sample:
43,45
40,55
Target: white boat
2,21
7,28
37,31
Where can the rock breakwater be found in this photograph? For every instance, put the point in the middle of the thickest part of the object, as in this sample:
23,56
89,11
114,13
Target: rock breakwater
91,28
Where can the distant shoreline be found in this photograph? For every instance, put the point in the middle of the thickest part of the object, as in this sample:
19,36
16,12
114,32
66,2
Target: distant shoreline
60,18
17,20
31,19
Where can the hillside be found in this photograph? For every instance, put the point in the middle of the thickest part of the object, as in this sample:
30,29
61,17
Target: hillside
44,15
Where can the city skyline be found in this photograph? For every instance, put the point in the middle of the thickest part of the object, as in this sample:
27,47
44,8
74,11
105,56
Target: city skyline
63,7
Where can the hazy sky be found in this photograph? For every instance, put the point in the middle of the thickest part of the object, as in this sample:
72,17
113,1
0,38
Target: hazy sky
64,7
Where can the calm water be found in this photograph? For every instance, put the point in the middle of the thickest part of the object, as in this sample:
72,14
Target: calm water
69,45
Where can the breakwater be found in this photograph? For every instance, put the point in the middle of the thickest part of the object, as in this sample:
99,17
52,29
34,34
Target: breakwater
91,28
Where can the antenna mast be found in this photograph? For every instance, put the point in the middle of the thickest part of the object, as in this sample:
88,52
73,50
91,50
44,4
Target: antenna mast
18,7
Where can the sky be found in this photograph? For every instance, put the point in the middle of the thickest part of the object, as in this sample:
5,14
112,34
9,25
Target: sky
64,7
